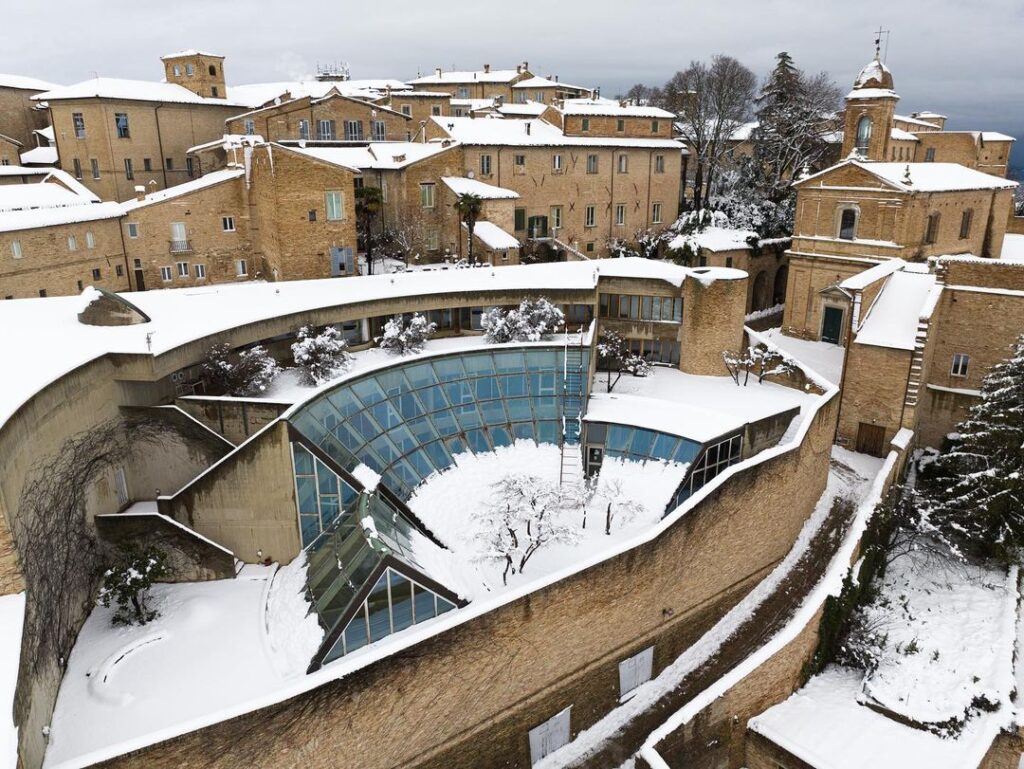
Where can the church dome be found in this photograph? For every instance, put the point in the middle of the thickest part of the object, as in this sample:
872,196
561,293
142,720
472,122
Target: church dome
874,75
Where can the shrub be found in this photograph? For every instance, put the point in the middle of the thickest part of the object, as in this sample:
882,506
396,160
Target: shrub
401,337
246,373
127,583
533,321
321,356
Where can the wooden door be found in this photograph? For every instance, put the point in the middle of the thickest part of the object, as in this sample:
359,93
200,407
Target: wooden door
871,439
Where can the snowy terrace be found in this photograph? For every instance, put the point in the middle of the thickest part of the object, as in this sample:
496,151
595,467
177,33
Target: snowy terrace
126,688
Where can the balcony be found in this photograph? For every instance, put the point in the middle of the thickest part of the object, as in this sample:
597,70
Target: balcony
180,246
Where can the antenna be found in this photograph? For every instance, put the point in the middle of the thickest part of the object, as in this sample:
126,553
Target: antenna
878,43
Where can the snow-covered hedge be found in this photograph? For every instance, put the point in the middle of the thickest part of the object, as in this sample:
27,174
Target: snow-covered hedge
402,338
247,373
533,321
320,356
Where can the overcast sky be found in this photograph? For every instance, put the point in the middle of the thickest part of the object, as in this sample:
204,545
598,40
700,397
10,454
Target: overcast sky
962,58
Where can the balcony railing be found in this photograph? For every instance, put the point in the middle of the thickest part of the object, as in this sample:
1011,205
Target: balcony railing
181,246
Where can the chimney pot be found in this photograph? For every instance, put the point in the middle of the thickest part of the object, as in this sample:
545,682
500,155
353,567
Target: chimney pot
487,67
437,72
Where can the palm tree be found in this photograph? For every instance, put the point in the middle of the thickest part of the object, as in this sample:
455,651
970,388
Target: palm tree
369,201
468,205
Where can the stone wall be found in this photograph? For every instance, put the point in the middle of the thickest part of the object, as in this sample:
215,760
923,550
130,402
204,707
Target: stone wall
712,322
19,118
281,122
874,389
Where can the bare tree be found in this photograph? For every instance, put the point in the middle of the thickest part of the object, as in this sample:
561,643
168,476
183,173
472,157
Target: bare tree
712,101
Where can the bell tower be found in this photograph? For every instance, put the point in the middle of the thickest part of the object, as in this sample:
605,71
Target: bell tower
198,71
867,127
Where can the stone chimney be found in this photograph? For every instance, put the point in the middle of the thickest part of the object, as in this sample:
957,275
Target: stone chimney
487,67
140,192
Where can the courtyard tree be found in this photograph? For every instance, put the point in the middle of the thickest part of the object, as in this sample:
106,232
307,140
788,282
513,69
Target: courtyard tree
469,207
127,583
614,356
972,494
245,373
369,202
759,360
402,337
532,321
619,507
320,356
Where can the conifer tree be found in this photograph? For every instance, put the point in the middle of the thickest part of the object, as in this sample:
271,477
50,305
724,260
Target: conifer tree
972,494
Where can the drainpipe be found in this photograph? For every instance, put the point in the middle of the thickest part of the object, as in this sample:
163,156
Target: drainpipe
611,193
160,144
124,252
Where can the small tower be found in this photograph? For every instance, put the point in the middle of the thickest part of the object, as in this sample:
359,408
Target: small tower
867,127
198,71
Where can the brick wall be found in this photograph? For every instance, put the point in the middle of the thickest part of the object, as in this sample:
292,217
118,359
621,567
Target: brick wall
282,121
18,118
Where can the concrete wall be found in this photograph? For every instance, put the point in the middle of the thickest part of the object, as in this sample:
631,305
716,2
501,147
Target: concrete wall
712,322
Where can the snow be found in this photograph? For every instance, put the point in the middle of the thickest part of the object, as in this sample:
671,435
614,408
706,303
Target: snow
1013,248
493,236
520,109
208,180
904,136
449,504
132,90
24,197
915,121
862,280
467,76
24,83
22,171
89,295
67,213
700,408
849,476
376,155
293,630
715,239
189,52
40,156
611,108
872,93
823,358
533,133
893,317
544,82
767,312
367,476
935,177
460,185
12,616
875,71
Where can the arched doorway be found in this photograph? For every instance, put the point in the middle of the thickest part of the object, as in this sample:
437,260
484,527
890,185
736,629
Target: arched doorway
759,300
781,278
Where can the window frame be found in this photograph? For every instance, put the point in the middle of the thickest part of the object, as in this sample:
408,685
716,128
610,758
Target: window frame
334,198
960,365
593,163
656,213
199,271
485,165
227,223
121,125
428,195
133,230
167,274
590,216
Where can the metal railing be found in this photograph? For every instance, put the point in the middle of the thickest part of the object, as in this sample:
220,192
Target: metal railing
180,246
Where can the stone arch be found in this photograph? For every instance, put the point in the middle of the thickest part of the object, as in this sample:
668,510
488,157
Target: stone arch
759,300
779,290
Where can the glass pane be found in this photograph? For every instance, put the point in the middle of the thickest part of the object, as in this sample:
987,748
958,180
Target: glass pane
345,401
403,439
478,365
423,601
369,391
438,454
524,431
468,417
355,633
645,309
664,446
420,463
378,610
500,436
641,444
455,445
519,409
509,362
459,392
386,415
513,386
401,601
619,437
330,507
307,494
327,481
310,526
443,605
487,388
303,460
540,360
448,369
444,423
493,412
421,375
433,398
408,406
365,426
386,449
546,407
548,432
478,441
422,429
393,382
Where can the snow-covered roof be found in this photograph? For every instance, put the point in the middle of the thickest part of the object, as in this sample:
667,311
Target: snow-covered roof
376,155
17,197
190,52
1013,248
493,236
914,121
862,280
22,171
715,239
405,93
927,114
611,108
46,133
874,75
473,104
134,90
229,141
545,82
872,93
904,136
40,156
744,132
468,76
520,109
460,185
924,177
23,83
533,133
995,136
893,317
208,180
27,219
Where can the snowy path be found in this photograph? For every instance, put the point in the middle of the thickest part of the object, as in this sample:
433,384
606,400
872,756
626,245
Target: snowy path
748,626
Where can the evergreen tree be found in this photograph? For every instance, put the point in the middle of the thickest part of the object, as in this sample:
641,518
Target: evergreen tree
972,494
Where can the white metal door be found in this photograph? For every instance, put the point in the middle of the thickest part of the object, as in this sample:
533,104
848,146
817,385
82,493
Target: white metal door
549,736
635,670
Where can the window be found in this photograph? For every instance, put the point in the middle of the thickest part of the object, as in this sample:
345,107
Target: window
635,670
966,218
620,125
304,129
380,130
311,215
16,251
659,164
214,92
848,224
590,248
182,269
78,120
556,217
241,268
433,240
190,167
549,736
129,172
169,164
90,240
94,164
133,230
929,155
72,243
353,130
520,219
177,70
655,126
520,161
96,274
249,126
585,124
334,205
121,124
407,110
623,164
436,110
78,168
863,134
325,130
200,271
147,164
462,92
556,163
227,223
189,70
620,214
591,164
656,213
590,217
427,195
960,362
485,165
931,232
165,274
213,70
119,270
42,292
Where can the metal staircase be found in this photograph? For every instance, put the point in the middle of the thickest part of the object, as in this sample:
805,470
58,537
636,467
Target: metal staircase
573,393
